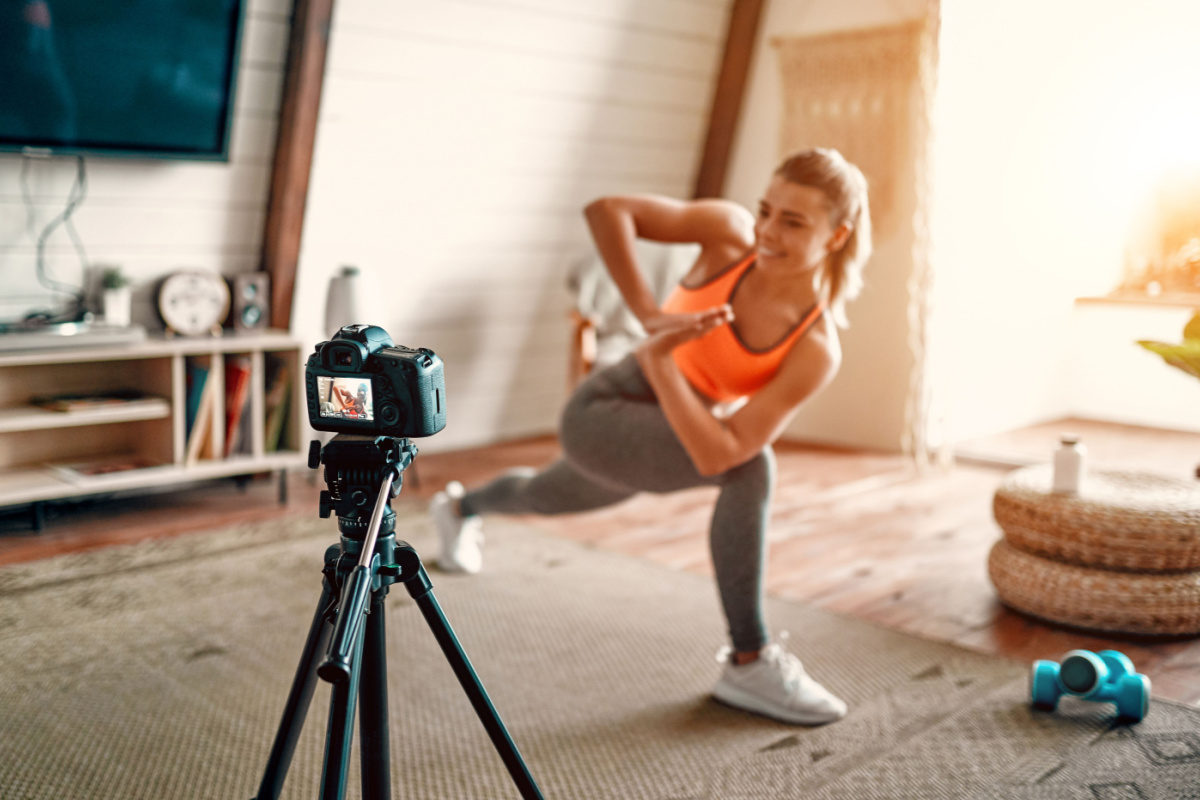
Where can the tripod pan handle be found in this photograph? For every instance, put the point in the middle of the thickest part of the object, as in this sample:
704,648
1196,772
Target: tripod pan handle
356,593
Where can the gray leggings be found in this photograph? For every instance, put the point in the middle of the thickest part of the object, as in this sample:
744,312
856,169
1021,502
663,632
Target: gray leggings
617,442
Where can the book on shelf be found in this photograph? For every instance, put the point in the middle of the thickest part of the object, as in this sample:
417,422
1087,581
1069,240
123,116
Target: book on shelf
243,444
200,434
279,387
197,377
237,393
119,398
84,472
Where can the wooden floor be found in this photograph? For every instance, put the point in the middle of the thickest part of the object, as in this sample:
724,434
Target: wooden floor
855,532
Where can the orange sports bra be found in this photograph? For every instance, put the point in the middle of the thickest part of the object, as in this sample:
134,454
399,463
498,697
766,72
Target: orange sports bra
719,364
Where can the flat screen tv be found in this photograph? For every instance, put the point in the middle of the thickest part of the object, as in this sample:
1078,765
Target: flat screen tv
136,78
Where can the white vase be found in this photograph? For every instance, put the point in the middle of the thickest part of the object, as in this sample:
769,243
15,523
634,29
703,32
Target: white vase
117,307
341,304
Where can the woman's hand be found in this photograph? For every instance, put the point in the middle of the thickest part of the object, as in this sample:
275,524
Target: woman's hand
668,331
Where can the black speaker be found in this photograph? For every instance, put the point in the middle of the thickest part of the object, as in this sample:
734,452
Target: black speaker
251,301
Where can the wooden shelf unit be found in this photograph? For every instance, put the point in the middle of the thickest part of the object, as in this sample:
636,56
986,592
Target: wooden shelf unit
35,442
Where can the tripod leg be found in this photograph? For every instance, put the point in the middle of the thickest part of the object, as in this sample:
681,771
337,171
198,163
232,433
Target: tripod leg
298,701
421,589
373,707
341,728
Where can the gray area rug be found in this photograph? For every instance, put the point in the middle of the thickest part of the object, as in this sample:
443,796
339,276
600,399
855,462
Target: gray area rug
160,671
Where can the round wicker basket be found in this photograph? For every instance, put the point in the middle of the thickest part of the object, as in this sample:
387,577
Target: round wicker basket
1127,521
1127,602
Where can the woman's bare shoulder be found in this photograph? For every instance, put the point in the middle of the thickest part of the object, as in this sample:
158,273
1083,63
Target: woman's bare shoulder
736,214
732,224
818,350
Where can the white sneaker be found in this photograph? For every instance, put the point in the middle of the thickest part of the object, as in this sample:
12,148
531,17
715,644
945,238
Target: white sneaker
461,537
776,686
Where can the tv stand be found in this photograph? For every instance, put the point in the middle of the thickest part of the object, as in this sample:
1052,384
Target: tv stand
59,335
88,450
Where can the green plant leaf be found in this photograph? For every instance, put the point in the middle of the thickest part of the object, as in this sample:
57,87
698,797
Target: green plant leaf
1191,331
1185,356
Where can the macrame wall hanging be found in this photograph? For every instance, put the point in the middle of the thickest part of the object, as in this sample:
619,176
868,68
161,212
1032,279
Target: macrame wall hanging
867,93
854,90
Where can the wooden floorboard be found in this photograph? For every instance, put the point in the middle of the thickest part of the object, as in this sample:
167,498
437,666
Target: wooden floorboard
854,532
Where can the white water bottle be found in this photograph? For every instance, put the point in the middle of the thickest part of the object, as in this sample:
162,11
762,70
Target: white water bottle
1069,465
341,304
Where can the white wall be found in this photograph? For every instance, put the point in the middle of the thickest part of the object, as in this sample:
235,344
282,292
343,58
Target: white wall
1052,120
151,217
864,406
1115,379
458,142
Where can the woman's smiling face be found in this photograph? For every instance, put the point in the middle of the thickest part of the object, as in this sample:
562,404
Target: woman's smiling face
793,229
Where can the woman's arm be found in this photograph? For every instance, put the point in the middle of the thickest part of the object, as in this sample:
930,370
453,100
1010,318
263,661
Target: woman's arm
716,446
723,230
343,397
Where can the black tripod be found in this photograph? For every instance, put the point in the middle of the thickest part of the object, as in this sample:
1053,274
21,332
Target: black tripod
363,473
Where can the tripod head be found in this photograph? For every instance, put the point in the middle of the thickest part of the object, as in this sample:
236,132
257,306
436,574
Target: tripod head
355,469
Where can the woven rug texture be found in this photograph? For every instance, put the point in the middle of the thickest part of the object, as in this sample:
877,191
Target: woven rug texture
160,670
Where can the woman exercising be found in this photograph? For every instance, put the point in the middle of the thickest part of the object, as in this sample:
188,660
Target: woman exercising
749,334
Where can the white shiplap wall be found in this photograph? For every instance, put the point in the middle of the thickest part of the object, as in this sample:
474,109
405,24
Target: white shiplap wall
151,217
457,145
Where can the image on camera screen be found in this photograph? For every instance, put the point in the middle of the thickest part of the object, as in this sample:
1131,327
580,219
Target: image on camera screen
345,398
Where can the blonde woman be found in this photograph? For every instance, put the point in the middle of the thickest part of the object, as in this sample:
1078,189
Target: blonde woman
749,334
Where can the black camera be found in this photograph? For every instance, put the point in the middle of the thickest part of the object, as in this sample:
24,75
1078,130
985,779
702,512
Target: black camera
359,382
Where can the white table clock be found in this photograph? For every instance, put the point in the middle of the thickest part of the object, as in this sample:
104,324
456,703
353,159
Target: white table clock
193,302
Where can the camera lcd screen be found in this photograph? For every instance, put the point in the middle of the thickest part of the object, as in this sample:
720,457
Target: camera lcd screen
345,398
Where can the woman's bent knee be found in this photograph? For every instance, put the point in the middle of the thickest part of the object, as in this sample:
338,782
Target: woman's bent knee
758,470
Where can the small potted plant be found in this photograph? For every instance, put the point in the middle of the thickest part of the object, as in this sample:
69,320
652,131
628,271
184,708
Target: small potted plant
117,297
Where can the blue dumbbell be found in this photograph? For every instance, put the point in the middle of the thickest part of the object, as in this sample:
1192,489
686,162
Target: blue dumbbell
1105,677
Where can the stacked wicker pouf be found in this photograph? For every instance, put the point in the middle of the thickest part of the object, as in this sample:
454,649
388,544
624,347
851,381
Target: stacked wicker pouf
1122,555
